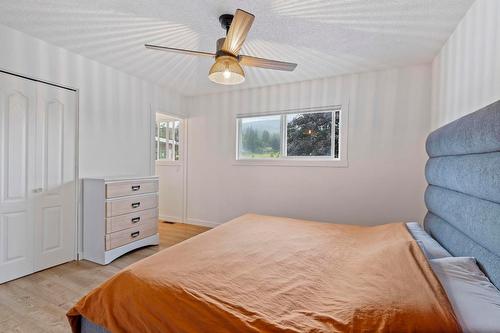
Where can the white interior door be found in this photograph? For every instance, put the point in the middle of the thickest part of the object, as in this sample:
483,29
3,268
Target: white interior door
55,211
170,167
37,176
17,152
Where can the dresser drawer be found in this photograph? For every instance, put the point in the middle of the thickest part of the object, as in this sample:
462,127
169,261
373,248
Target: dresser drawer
131,204
126,221
123,188
130,235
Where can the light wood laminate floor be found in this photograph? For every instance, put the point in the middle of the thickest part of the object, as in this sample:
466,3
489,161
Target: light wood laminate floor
39,302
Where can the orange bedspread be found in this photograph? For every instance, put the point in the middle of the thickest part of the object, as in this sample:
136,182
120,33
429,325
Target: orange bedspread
270,274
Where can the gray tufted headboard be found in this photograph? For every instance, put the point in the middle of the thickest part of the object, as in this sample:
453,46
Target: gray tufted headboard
463,196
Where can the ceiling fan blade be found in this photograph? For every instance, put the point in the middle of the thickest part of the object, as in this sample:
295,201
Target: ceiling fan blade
266,63
238,31
183,51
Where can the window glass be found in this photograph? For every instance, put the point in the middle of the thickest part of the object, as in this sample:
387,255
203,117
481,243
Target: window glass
170,140
337,133
309,134
162,141
163,130
176,140
260,137
156,140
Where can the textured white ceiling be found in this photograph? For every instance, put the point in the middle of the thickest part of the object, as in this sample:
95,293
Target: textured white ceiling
324,37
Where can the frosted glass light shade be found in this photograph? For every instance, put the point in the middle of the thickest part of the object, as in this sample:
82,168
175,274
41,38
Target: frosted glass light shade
226,70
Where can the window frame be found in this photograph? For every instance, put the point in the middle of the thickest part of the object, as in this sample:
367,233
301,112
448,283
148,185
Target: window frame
315,161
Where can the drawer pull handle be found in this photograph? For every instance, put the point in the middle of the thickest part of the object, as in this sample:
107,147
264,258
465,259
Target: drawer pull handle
135,234
136,205
136,187
136,219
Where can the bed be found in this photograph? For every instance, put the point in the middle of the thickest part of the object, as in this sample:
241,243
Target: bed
273,274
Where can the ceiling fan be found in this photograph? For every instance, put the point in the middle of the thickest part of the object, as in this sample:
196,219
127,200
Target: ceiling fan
227,67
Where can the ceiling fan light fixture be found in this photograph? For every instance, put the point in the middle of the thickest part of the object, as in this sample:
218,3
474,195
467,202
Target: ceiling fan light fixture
226,70
228,61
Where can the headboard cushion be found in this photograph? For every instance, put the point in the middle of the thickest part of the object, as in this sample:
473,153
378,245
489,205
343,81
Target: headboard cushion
474,174
463,196
477,218
478,132
460,245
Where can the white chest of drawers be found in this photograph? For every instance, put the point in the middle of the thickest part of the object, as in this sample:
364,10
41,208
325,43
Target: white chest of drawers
119,215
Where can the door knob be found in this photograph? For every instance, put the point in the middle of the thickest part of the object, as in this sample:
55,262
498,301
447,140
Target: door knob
37,190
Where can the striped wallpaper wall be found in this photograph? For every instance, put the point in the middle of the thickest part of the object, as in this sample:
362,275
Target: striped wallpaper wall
115,137
388,123
466,72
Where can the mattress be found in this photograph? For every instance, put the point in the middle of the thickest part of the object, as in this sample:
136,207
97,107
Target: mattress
269,274
86,326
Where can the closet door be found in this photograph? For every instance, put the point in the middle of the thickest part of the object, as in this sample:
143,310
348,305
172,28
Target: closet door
17,158
37,176
55,209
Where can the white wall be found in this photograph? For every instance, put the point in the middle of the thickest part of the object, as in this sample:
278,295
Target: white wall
115,108
389,121
466,72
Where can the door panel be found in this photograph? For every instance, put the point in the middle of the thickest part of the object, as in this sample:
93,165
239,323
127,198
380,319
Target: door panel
52,227
15,230
55,218
16,125
54,131
17,121
16,253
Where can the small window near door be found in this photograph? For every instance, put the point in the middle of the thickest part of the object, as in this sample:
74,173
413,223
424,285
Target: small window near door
167,139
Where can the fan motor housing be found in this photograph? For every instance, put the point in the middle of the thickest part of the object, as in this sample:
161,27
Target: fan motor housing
225,21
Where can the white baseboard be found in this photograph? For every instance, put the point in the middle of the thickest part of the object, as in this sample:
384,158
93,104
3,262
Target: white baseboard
203,223
169,218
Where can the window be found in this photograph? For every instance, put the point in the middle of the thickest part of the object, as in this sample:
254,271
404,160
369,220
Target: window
167,139
302,135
